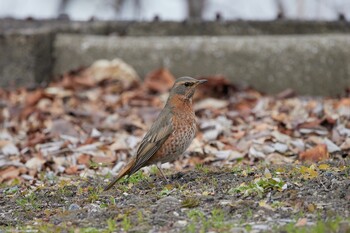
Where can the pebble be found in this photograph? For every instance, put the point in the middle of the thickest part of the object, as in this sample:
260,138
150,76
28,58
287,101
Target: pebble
181,223
27,177
92,208
74,207
162,208
238,230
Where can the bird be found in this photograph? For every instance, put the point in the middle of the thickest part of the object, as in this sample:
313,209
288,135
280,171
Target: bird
171,133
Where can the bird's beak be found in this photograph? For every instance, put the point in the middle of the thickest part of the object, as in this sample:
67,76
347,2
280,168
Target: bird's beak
201,81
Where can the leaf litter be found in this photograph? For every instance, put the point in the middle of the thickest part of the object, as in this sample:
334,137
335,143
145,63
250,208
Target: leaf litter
89,122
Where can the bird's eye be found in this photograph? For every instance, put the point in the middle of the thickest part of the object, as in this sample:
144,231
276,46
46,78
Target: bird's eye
187,84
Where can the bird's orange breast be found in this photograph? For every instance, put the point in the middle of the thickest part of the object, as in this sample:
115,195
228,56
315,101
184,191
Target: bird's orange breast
184,124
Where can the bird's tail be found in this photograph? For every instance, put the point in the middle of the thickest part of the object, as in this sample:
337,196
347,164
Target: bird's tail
122,173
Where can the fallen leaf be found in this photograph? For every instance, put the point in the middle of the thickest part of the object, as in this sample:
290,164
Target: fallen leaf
287,93
8,148
160,80
33,98
331,146
71,170
275,158
63,127
216,87
346,144
317,153
308,172
84,159
311,207
210,103
35,163
228,155
104,159
323,166
267,173
344,102
9,173
301,222
115,69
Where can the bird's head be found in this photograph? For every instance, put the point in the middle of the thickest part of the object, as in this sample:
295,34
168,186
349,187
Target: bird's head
185,87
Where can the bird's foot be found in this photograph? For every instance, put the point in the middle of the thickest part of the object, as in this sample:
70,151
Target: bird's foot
161,172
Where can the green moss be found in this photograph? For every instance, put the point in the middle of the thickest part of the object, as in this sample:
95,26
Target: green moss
136,178
200,222
111,225
29,201
94,193
190,202
259,186
202,168
126,223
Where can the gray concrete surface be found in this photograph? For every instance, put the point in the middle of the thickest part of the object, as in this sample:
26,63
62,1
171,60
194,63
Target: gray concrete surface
187,28
314,64
25,58
310,64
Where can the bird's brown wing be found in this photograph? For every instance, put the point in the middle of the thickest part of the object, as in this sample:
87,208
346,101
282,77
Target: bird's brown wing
153,140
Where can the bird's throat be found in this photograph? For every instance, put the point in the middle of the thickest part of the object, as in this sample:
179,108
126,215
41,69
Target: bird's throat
180,101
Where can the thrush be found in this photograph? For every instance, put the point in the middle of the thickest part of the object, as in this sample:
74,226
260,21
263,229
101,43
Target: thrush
171,133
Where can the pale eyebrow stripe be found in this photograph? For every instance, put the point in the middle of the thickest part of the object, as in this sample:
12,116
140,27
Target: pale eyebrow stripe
183,82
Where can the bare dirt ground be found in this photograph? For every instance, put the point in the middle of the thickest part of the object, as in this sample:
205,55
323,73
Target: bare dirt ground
244,198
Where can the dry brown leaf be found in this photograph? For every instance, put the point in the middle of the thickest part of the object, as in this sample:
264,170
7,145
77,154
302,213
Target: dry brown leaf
104,159
276,158
84,159
63,127
160,80
35,163
33,98
301,222
35,139
345,102
58,121
210,103
71,170
217,86
287,93
311,124
317,153
77,81
9,173
115,69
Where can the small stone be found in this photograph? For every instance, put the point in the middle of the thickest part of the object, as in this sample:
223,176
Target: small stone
74,207
181,223
27,177
238,230
163,207
92,208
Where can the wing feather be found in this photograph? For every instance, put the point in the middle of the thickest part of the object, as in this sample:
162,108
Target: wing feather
153,140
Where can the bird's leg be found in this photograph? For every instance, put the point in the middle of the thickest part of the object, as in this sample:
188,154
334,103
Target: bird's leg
161,172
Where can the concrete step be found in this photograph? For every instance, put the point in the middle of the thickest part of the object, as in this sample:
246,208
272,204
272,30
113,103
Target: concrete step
309,64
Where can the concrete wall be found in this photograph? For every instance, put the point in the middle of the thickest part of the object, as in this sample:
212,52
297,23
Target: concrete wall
187,28
316,62
25,58
312,64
